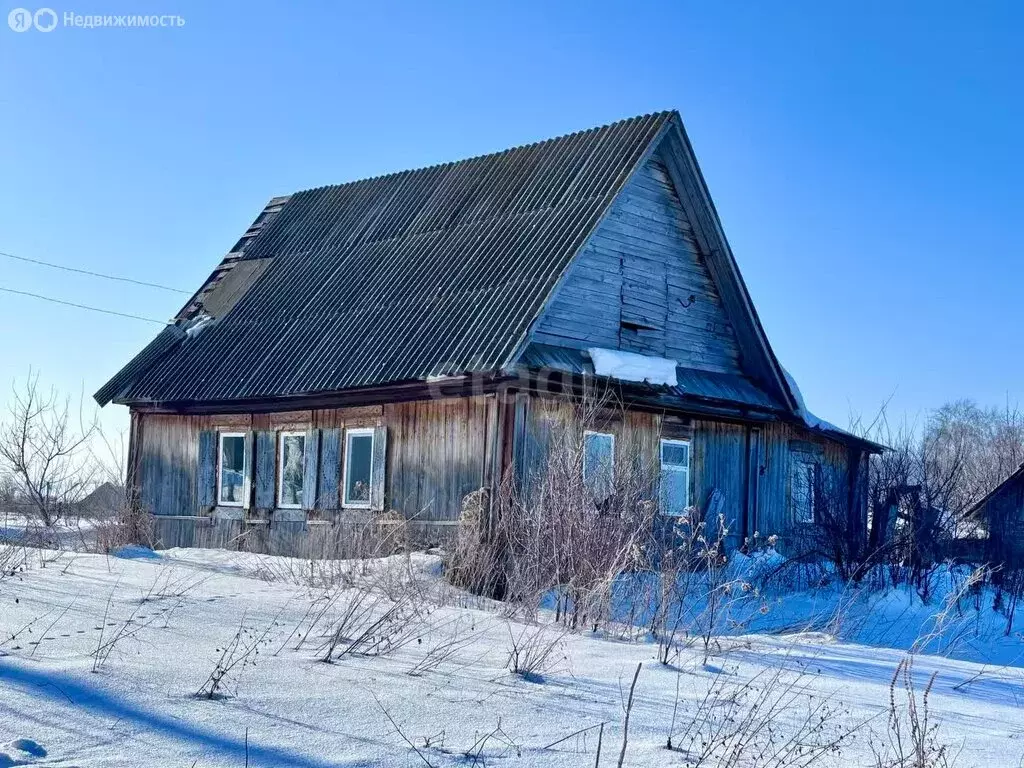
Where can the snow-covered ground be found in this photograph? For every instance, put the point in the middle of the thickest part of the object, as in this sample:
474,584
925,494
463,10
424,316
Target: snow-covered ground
101,659
67,533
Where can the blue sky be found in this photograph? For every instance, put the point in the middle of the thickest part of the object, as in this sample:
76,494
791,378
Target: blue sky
865,159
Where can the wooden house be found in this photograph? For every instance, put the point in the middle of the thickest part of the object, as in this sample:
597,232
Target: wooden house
391,343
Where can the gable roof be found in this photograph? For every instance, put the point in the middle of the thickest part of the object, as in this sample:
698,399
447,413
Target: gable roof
425,273
1014,478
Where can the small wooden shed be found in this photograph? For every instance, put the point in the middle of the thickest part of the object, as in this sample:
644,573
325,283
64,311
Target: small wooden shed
997,525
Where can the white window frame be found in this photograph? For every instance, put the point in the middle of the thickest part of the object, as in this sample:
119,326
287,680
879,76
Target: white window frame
350,433
808,474
672,441
220,466
611,479
281,436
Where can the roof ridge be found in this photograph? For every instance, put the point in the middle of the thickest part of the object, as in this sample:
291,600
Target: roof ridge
665,114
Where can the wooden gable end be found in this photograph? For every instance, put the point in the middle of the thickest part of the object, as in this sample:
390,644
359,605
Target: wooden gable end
642,285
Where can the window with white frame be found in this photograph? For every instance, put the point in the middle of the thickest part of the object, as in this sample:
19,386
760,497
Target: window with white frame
674,496
599,464
291,469
358,467
804,484
231,469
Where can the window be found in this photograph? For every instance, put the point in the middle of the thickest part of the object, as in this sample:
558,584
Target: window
231,470
358,467
291,470
599,464
675,477
805,483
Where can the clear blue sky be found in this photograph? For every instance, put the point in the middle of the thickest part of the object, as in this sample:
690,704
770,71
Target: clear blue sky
865,158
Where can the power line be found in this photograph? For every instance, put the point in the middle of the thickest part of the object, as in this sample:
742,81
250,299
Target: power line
93,274
82,306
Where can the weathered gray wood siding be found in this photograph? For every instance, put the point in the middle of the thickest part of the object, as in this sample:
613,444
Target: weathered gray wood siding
719,463
748,465
437,453
784,444
641,285
549,424
434,453
169,463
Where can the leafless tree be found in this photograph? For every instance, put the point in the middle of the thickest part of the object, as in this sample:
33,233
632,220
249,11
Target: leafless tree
987,444
46,451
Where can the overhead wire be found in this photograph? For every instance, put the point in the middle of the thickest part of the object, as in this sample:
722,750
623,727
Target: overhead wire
92,273
83,306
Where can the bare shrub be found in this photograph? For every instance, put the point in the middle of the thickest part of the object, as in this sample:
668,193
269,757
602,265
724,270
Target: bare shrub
505,746
13,560
534,651
554,539
378,607
240,652
474,563
130,524
1008,595
456,638
355,549
695,586
353,615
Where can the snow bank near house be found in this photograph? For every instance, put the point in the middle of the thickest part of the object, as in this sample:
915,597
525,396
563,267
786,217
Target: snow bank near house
629,366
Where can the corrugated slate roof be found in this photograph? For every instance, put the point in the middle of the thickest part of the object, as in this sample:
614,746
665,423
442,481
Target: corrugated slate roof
397,278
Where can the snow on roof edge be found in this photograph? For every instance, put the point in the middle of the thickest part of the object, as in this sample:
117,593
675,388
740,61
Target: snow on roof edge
809,419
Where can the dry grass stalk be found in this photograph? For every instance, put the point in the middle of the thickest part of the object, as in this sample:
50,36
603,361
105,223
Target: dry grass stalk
912,737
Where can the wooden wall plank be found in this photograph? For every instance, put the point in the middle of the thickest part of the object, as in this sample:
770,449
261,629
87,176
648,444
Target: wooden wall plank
266,470
436,451
643,267
310,469
329,481
207,482
378,467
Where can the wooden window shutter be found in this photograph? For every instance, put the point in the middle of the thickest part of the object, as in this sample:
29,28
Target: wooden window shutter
207,478
266,469
247,472
377,467
309,469
329,481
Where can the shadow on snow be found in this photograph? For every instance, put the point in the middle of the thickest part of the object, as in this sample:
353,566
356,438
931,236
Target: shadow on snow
65,690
